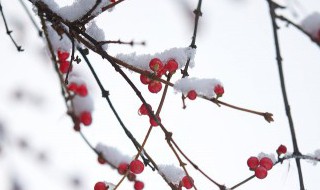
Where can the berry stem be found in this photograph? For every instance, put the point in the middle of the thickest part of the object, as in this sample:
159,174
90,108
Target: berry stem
243,182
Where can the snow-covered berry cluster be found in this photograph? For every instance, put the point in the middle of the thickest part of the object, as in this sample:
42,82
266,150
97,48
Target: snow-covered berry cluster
260,166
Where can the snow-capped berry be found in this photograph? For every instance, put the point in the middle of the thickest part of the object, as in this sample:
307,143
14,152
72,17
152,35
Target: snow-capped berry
138,185
187,182
85,118
136,167
144,79
266,162
72,87
154,86
143,109
155,64
131,176
192,94
153,122
122,168
100,186
219,90
261,172
64,66
82,90
253,162
281,150
63,55
171,66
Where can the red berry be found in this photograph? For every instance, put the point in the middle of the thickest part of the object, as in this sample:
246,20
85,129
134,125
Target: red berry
144,79
136,167
153,122
253,162
192,94
171,66
266,162
219,90
281,150
155,86
72,87
122,168
261,172
100,186
86,118
138,185
112,1
63,55
143,109
187,182
131,176
155,64
161,72
64,66
101,160
82,90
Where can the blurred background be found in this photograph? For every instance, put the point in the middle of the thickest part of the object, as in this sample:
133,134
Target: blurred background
39,148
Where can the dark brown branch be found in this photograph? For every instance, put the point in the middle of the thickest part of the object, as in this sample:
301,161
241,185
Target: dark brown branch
31,18
272,8
131,43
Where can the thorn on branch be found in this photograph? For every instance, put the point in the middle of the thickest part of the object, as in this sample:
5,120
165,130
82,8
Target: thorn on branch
105,93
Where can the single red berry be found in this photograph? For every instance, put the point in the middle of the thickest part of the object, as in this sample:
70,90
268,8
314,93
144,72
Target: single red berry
143,109
171,66
192,95
63,55
266,162
131,176
161,72
138,185
153,122
281,150
112,1
219,90
144,79
82,90
261,172
72,87
187,182
253,162
101,160
155,86
136,167
86,118
122,168
100,186
64,66
155,64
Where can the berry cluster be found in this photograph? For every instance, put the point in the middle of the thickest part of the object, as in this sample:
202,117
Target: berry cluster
158,69
218,90
135,167
144,111
63,63
260,167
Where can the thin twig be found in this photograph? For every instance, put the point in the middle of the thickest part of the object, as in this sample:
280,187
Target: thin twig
31,18
9,32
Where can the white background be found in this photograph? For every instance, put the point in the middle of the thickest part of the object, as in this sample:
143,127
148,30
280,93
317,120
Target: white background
235,45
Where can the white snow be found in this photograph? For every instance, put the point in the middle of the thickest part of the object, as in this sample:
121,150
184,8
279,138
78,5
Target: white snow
112,155
97,33
271,156
311,24
82,104
172,173
57,41
203,87
180,55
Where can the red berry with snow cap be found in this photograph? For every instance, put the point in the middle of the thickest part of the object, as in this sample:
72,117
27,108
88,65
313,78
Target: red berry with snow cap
281,150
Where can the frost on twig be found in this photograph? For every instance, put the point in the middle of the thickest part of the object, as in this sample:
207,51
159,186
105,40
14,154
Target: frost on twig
173,174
